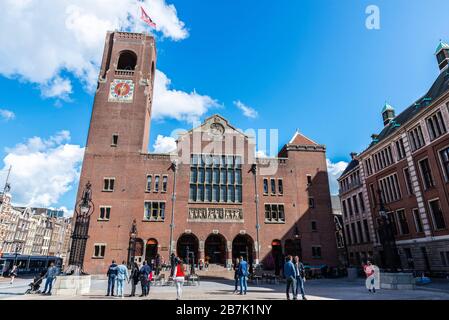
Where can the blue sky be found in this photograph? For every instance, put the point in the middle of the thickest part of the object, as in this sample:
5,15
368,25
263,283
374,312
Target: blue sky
311,65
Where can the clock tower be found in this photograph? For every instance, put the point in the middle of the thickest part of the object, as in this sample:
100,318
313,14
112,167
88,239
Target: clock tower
121,113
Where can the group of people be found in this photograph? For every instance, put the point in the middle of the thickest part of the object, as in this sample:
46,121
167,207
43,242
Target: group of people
294,273
119,275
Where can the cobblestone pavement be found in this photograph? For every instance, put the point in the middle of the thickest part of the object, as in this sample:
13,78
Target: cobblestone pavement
325,289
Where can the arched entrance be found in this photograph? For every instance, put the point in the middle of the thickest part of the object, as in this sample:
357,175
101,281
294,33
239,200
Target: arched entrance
215,249
188,243
151,250
138,253
276,251
243,245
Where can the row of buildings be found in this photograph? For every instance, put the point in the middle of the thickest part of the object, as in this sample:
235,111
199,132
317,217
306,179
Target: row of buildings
33,231
404,170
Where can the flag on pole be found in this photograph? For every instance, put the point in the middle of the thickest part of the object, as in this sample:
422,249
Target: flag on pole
146,18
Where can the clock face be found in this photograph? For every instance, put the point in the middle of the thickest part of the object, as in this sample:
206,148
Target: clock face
121,91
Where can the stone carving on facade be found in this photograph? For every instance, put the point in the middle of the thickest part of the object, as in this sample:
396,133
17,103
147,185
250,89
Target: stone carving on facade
224,215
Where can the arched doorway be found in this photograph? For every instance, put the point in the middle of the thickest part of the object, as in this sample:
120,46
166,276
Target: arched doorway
276,251
215,249
243,245
188,243
138,253
151,250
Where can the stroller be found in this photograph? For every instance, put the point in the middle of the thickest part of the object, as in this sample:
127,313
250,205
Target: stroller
35,285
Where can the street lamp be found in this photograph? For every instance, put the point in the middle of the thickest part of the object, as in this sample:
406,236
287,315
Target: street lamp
132,243
254,172
174,167
386,236
17,248
83,211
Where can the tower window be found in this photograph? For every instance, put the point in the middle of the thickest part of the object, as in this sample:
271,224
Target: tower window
127,61
108,185
309,180
114,140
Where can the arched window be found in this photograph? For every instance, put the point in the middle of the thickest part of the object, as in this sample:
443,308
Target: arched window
127,61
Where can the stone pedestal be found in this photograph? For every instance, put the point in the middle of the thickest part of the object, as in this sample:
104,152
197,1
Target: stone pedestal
352,274
72,285
397,281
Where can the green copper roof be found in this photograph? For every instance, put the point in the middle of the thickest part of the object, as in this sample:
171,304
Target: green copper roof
387,107
442,46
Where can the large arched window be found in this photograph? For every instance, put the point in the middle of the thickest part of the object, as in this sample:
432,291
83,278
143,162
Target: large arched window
127,61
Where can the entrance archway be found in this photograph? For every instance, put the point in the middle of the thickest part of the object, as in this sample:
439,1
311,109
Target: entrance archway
215,249
276,251
243,245
138,253
151,250
188,242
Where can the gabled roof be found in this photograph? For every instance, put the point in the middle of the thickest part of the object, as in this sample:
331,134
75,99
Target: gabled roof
439,87
300,139
442,46
354,163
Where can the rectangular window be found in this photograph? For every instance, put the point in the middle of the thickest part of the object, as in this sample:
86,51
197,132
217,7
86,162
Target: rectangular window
193,192
403,224
109,184
426,174
355,240
274,213
365,226
400,149
309,180
408,181
280,187
208,193
389,187
316,252
444,154
356,206
373,195
156,183
164,183
99,251
435,125
314,226
114,140
350,206
265,186
311,203
359,229
362,203
216,193
416,138
273,186
149,183
154,211
345,212
105,213
418,224
437,215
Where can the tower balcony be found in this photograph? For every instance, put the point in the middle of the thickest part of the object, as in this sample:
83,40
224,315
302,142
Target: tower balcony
124,73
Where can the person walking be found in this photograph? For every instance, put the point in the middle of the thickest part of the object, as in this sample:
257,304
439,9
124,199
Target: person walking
290,276
300,278
173,261
369,270
243,276
179,278
236,275
145,272
122,276
13,274
112,277
50,276
134,278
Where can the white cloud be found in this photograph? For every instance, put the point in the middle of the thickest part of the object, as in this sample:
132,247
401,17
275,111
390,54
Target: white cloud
334,171
261,154
7,115
179,105
247,111
164,144
43,38
43,169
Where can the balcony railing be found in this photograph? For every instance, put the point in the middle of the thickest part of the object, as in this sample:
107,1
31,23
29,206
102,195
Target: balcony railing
126,73
351,186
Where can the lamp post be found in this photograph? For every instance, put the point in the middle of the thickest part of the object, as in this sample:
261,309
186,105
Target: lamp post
132,243
386,237
174,167
256,193
83,211
17,248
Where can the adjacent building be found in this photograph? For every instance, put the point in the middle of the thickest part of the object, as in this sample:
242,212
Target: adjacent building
406,167
212,197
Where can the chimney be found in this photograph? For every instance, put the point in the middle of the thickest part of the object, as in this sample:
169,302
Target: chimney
353,155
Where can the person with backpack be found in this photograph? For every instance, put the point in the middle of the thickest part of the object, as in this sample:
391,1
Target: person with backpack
112,277
243,276
145,272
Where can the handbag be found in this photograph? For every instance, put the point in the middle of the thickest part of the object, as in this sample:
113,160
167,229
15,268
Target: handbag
150,276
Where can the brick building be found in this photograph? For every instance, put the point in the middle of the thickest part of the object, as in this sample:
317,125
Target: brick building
207,186
407,165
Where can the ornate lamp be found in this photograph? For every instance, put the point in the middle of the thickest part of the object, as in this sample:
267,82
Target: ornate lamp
132,243
83,211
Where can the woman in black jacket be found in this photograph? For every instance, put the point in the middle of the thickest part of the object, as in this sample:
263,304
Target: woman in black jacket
134,278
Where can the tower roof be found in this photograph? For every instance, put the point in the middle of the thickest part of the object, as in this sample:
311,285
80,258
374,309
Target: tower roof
387,107
300,139
442,46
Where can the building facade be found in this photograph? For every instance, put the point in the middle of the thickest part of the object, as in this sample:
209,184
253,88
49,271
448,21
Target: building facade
211,196
406,168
